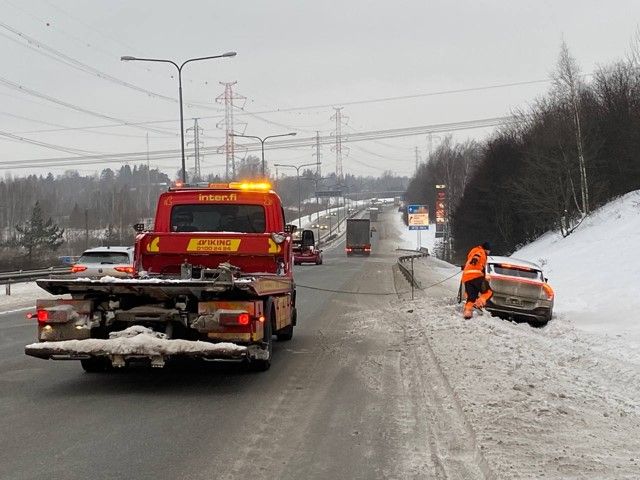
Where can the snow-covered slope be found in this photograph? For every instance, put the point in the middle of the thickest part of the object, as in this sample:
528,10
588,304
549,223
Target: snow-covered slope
595,271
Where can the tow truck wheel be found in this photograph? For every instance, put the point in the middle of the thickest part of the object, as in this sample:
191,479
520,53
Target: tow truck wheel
95,365
285,334
263,364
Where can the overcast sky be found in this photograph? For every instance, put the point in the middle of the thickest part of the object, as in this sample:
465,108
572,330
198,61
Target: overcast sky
290,54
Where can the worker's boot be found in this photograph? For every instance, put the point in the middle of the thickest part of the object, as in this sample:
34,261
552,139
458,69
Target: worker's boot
482,300
468,310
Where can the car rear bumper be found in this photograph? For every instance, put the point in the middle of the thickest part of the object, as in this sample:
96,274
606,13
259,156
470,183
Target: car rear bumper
540,314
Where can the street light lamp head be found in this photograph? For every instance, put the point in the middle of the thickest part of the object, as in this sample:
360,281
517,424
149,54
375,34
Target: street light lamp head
126,58
229,54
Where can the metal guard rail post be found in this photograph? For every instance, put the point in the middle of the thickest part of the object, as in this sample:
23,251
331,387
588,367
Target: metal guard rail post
408,272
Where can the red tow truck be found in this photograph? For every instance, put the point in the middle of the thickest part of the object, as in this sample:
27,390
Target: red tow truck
213,279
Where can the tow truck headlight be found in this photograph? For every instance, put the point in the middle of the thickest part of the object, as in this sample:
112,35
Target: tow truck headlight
278,238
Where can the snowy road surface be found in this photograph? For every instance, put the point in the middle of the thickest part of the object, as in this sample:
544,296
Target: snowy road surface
371,387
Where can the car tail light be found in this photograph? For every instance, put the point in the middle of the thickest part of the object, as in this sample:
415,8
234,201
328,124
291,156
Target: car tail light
78,268
128,269
548,291
367,249
349,249
43,316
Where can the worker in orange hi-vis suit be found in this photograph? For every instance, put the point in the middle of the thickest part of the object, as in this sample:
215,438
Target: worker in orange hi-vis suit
475,284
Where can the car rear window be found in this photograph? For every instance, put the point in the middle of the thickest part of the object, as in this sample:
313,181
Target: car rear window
218,218
516,272
104,257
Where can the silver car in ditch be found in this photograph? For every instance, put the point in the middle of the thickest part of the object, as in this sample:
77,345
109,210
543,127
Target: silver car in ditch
520,290
105,261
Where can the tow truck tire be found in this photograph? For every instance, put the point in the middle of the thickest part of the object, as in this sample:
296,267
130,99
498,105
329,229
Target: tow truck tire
285,334
95,365
262,365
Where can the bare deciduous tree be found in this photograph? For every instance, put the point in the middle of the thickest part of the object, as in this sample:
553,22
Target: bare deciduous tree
567,84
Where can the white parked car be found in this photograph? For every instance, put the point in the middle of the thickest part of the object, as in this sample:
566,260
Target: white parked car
105,261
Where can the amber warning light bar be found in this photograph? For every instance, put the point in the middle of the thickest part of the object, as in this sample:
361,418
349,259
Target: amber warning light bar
245,186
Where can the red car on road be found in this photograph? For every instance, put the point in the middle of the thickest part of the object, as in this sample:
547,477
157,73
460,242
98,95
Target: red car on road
305,249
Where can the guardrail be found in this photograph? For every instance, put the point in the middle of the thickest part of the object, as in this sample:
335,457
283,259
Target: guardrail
8,278
408,272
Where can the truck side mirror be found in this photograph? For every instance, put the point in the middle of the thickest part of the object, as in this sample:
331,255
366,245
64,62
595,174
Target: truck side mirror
138,227
290,228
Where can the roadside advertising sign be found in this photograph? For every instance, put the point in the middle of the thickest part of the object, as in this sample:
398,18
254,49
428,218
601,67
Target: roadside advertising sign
441,210
418,216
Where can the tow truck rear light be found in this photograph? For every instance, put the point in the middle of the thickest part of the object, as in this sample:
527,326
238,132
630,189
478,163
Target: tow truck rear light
235,319
128,269
78,268
43,316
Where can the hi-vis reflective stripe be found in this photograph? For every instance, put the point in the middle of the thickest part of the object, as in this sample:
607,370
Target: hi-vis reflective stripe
213,245
473,271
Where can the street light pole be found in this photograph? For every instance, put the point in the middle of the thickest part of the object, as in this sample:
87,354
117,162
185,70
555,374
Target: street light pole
262,140
128,58
298,167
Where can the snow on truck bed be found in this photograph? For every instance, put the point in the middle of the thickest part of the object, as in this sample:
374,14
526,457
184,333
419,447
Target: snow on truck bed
138,340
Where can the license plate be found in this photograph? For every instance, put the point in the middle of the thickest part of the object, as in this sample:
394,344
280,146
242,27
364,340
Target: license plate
515,301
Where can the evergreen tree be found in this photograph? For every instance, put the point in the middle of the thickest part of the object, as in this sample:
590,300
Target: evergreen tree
38,236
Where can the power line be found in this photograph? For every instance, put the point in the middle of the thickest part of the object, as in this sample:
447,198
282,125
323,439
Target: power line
60,57
43,144
276,144
64,127
71,106
331,105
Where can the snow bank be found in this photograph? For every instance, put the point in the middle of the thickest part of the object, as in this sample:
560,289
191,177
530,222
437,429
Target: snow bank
23,295
594,271
531,403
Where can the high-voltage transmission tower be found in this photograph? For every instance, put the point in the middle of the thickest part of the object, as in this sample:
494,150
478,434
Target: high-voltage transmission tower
228,98
317,155
338,148
197,144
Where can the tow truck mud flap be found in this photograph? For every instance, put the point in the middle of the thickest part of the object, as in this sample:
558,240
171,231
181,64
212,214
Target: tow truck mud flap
135,342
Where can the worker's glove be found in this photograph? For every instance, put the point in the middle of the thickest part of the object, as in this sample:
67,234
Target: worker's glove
473,261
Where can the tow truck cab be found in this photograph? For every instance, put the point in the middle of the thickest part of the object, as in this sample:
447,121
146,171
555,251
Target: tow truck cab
200,228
